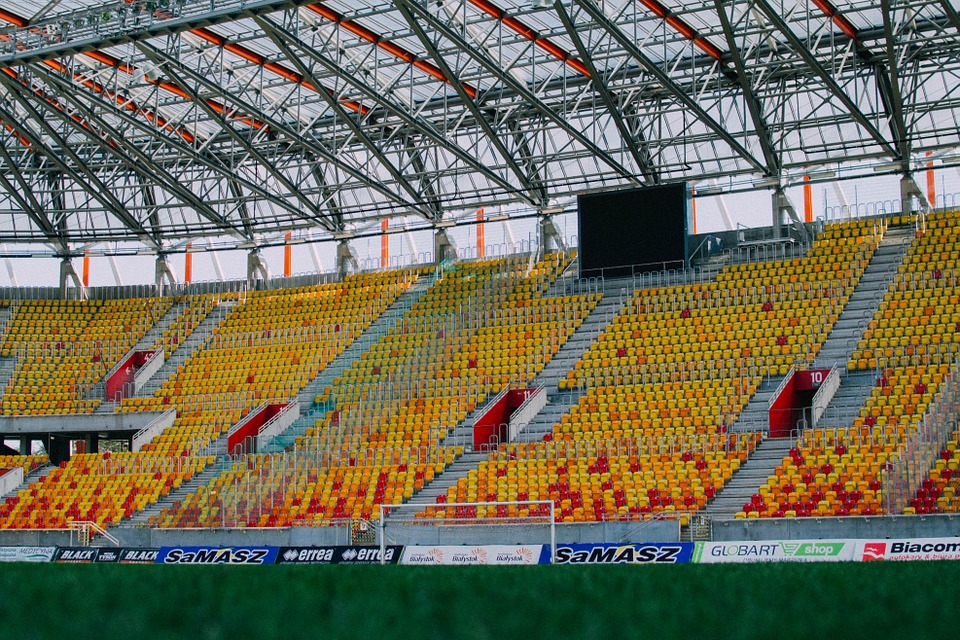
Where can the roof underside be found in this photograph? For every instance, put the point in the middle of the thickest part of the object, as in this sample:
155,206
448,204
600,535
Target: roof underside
163,121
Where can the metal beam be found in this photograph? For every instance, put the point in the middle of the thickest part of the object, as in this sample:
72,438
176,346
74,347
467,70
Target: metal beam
951,14
33,211
334,104
807,56
221,118
521,89
413,151
28,200
295,138
371,93
204,159
897,122
329,195
137,160
93,185
753,103
630,47
492,136
640,156
33,43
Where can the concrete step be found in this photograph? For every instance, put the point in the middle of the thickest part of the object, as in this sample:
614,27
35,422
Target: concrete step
141,518
326,379
749,477
450,476
188,348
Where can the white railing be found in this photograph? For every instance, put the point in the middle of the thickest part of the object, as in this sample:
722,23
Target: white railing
162,422
526,412
86,530
280,422
824,395
12,479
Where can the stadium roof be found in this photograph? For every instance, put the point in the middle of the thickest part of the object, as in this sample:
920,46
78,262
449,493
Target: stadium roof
164,121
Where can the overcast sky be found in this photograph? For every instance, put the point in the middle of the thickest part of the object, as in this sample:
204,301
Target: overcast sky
747,209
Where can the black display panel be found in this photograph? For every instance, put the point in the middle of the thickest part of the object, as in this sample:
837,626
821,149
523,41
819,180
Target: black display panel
634,230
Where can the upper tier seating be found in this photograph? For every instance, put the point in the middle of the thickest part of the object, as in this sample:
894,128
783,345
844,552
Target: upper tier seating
665,379
911,343
482,326
266,350
64,347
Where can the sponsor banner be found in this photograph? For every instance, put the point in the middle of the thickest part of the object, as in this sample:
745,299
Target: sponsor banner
912,549
489,554
27,554
776,551
108,554
138,556
76,554
217,555
338,555
636,553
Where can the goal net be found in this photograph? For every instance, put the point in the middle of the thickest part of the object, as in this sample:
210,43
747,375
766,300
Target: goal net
469,523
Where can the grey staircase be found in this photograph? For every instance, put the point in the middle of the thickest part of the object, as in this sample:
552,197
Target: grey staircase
753,473
188,347
150,337
145,342
854,390
865,300
579,341
36,475
559,403
756,415
450,476
327,378
218,448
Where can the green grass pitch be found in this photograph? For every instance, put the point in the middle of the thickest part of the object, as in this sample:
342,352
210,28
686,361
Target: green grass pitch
850,600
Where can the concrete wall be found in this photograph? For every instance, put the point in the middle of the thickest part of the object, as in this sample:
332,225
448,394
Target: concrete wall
77,423
413,535
894,527
152,538
876,527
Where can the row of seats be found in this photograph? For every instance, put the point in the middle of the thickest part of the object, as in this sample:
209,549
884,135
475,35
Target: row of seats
600,485
676,364
910,345
402,398
63,349
106,488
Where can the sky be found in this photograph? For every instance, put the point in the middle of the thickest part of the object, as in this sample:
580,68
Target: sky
749,209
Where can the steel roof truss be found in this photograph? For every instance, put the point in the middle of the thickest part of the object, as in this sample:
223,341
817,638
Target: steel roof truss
521,89
334,104
136,160
411,120
169,62
94,187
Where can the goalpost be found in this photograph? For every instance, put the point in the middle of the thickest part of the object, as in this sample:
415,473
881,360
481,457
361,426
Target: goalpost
516,513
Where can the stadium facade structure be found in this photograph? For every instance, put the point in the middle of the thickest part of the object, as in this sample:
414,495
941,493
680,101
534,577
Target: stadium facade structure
144,127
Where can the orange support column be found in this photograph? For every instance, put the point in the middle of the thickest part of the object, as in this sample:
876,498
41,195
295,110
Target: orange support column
693,192
384,243
481,240
287,256
931,184
188,265
807,200
86,268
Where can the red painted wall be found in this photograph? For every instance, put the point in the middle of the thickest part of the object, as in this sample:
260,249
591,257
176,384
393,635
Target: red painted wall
781,417
124,374
810,380
491,423
251,428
